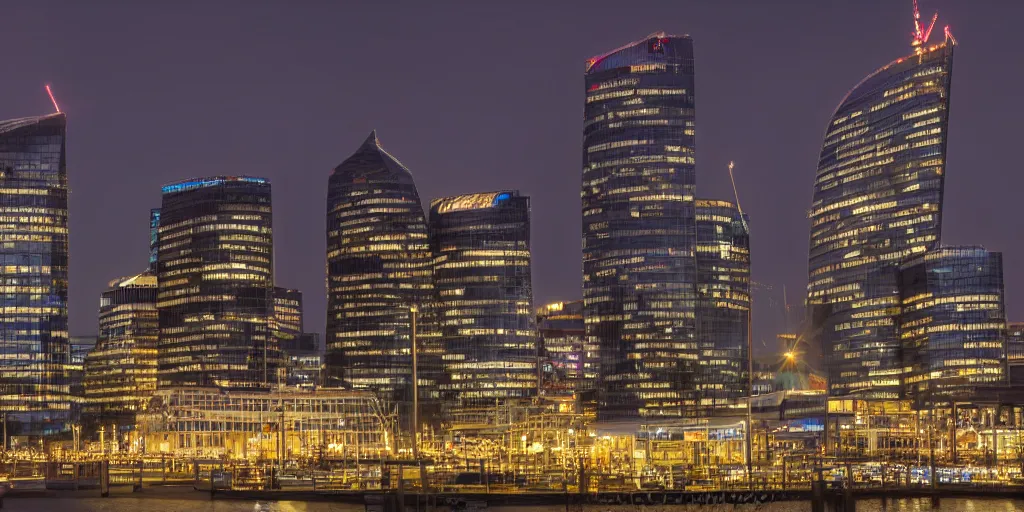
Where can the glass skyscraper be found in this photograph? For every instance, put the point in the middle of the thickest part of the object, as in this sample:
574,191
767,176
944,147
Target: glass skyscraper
378,269
35,396
877,201
481,247
952,323
723,307
120,372
216,284
639,233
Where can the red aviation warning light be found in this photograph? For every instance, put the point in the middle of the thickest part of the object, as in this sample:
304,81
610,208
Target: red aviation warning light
48,91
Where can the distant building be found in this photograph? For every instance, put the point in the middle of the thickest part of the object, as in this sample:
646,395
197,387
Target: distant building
120,372
35,395
287,323
481,247
639,231
723,309
573,361
378,270
215,275
154,237
952,324
304,360
78,348
1015,352
877,201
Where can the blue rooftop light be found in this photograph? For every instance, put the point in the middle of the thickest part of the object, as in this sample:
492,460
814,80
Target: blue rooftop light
500,198
207,182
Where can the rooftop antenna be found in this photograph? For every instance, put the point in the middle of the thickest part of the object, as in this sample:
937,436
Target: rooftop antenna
921,34
785,309
737,196
54,100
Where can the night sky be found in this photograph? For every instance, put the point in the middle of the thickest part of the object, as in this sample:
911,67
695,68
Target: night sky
477,96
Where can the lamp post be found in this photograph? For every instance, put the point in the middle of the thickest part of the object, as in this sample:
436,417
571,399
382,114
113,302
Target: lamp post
413,310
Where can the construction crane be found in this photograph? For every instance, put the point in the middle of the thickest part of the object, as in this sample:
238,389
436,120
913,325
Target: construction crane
737,196
921,34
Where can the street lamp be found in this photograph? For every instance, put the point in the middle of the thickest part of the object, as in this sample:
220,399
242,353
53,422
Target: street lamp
413,310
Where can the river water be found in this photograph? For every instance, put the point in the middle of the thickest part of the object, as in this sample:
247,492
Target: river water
171,504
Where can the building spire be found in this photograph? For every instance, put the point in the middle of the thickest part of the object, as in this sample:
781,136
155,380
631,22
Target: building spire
921,34
54,100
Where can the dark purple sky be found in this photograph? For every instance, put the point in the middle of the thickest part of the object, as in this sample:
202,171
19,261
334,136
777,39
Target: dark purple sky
476,96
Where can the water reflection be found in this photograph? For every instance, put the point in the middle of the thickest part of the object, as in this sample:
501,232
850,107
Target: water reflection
131,504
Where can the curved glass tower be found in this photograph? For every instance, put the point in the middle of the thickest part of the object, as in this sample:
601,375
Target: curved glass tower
877,201
216,284
120,373
952,323
481,246
378,268
35,396
639,269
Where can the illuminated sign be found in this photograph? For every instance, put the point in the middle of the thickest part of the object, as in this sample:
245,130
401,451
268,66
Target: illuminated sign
208,182
470,202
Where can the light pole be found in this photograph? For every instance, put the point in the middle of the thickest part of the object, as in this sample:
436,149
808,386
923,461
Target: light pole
750,391
413,310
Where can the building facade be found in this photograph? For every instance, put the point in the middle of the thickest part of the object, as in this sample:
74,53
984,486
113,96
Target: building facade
216,286
78,349
1015,352
240,424
481,248
723,308
154,237
287,324
35,395
120,372
568,351
877,202
639,232
378,271
952,324
304,361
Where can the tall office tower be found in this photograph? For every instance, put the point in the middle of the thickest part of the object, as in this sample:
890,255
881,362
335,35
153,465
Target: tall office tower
154,237
481,247
120,372
287,320
952,324
639,270
216,284
34,392
1015,352
378,270
877,201
565,346
723,308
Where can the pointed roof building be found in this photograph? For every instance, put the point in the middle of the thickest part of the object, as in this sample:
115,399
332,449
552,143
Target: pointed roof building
378,268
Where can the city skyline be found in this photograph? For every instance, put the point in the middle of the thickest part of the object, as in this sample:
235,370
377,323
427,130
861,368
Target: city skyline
780,212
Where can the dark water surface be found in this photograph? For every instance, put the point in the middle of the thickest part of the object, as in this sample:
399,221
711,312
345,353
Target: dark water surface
174,504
